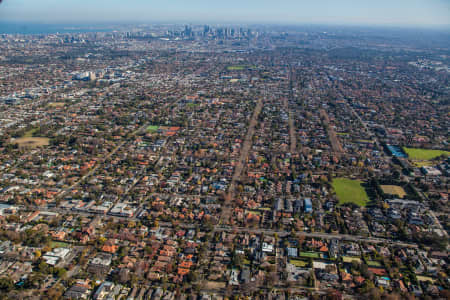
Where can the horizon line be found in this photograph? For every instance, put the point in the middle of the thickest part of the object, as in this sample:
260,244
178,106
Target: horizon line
81,23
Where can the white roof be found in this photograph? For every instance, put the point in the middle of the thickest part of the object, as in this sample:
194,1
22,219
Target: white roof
320,265
50,260
58,252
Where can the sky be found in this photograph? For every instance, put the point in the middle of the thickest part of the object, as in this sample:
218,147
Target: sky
417,13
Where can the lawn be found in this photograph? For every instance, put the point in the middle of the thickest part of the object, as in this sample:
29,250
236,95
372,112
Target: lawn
373,263
56,104
393,190
236,68
31,142
28,140
365,141
310,254
215,285
239,67
265,208
152,128
425,278
350,191
422,163
255,212
54,244
348,259
30,133
299,263
424,154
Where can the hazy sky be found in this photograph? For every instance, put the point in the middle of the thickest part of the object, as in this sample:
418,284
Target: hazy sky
380,12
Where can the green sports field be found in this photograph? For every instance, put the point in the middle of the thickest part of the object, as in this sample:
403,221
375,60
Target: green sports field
236,68
239,67
310,254
350,191
152,128
423,154
54,244
299,263
30,133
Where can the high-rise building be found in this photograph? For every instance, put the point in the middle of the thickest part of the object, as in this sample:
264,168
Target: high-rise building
206,30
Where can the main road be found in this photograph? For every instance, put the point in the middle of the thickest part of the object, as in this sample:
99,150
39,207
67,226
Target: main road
232,229
229,196
322,235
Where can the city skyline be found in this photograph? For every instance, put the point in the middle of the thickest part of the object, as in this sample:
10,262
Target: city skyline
416,13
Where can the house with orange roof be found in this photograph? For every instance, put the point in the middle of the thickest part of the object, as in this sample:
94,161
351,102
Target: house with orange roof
110,248
359,280
346,277
165,254
58,235
182,271
378,271
324,248
171,243
185,264
32,216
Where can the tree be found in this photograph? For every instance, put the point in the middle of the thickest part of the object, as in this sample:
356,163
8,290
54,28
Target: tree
310,281
55,292
301,239
35,280
392,296
364,269
61,273
6,284
355,265
123,251
237,260
374,293
43,267
192,277
367,286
